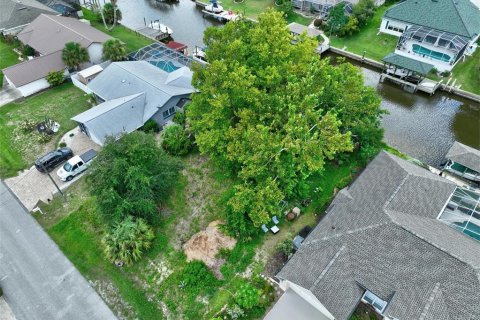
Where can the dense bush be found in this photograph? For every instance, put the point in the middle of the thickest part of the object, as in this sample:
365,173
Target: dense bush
286,246
127,240
55,78
363,11
247,296
198,279
180,118
131,176
175,140
62,145
27,51
151,126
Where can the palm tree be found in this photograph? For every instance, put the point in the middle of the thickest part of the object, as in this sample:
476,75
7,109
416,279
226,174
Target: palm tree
127,240
73,55
114,50
108,14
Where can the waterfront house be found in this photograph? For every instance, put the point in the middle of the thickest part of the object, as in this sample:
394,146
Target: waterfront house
133,92
47,35
322,7
400,240
438,32
16,15
463,161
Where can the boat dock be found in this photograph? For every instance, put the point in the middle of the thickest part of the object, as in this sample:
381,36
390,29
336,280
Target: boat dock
153,34
426,85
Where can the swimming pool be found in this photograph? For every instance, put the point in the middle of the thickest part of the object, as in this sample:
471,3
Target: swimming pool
430,53
167,66
471,229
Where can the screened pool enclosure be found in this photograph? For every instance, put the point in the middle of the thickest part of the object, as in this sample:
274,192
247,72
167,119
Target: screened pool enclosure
162,57
431,39
462,212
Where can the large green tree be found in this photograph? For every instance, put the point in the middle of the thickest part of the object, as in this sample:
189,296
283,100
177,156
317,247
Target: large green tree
264,110
132,176
73,55
114,50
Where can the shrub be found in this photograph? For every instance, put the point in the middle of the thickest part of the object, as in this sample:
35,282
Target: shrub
175,140
62,145
235,312
286,246
27,125
151,126
127,240
180,118
445,74
317,22
247,296
44,137
27,51
55,78
198,279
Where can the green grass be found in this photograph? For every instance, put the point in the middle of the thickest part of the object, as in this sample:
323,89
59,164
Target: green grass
132,40
468,73
8,57
376,46
20,149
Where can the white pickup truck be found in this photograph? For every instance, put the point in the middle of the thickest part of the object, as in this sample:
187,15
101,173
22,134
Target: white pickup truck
76,165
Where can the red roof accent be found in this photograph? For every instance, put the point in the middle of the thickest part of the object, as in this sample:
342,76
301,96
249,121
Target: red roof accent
176,45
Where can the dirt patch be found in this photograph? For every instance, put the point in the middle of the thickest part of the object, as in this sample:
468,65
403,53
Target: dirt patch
110,294
206,244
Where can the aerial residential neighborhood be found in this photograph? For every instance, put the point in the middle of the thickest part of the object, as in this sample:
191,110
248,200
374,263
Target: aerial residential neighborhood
240,159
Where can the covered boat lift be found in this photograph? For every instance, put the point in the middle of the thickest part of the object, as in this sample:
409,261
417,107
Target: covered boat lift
463,161
409,73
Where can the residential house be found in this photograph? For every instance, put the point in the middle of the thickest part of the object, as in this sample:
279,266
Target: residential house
48,34
438,32
17,14
463,161
133,92
322,7
401,239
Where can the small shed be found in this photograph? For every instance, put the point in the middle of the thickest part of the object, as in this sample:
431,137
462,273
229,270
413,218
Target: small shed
88,74
297,29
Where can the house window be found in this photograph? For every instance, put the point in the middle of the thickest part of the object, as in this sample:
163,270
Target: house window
376,302
168,113
394,28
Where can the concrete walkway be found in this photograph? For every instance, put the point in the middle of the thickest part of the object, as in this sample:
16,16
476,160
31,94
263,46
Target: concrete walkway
38,281
9,94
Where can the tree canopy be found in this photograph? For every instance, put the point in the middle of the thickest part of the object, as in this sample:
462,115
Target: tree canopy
114,50
274,112
73,55
131,176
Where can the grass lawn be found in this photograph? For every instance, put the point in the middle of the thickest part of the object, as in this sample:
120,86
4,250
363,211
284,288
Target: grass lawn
468,73
132,40
8,57
19,148
376,45
150,289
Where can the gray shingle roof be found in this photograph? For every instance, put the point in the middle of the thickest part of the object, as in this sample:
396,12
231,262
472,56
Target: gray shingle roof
408,63
35,69
131,77
465,155
14,13
387,239
460,17
49,33
298,28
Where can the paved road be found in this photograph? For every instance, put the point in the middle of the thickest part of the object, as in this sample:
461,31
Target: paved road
38,281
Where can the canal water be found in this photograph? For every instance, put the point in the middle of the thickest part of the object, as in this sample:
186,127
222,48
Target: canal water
419,125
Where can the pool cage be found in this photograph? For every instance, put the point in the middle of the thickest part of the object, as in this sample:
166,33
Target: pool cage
452,42
462,212
161,56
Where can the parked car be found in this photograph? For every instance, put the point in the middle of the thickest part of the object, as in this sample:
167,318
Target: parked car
52,159
76,165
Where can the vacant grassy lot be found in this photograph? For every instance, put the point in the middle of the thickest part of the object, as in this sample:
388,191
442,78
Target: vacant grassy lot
375,45
152,288
20,148
7,57
132,40
468,73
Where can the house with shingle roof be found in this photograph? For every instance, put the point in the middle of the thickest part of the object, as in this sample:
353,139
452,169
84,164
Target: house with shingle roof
48,34
17,14
437,32
133,92
401,239
463,161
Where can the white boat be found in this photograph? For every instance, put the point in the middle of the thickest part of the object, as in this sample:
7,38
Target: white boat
214,7
199,54
161,27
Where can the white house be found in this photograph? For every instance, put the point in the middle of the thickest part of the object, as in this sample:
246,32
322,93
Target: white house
438,32
48,34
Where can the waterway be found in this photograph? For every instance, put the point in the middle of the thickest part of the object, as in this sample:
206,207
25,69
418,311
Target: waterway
419,125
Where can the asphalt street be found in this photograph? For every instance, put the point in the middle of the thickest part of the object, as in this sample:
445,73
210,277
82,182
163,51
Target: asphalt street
38,281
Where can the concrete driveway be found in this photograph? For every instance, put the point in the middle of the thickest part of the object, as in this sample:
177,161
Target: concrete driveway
31,186
9,94
38,281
